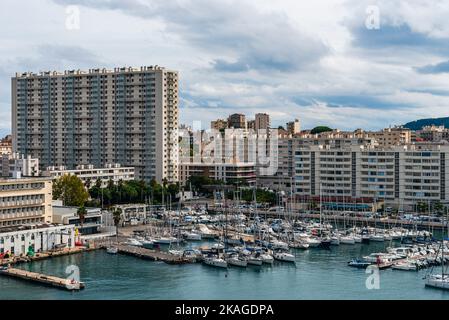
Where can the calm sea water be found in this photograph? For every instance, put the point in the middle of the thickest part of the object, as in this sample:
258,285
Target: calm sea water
318,274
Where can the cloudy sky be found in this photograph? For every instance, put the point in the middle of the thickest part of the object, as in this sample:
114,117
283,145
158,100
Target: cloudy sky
325,62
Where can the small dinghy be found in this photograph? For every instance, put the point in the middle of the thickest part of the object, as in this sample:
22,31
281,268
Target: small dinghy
359,263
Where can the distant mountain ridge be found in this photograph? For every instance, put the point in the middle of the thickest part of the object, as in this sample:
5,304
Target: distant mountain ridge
419,124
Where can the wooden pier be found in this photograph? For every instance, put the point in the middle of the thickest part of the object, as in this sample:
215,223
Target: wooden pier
43,279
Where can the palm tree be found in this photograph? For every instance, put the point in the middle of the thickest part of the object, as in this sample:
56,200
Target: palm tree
98,183
81,212
88,183
119,189
117,216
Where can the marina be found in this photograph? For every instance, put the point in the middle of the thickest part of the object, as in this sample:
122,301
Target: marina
316,274
257,257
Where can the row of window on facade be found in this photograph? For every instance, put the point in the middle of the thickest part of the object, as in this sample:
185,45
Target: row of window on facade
21,186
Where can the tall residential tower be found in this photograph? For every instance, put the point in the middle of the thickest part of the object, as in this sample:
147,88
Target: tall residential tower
126,115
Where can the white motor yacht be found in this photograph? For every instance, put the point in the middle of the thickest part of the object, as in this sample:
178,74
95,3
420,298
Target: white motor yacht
267,258
284,256
215,262
255,261
237,261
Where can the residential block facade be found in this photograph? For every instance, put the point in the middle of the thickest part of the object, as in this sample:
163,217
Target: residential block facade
126,115
400,176
25,201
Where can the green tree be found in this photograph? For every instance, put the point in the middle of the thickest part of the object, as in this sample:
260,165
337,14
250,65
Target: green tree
173,189
422,206
320,129
262,196
70,189
199,183
438,207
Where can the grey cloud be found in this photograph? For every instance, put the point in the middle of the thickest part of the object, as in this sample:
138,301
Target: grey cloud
41,58
258,41
442,67
390,37
222,65
59,57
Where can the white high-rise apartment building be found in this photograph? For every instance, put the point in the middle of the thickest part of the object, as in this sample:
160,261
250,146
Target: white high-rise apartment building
401,176
126,115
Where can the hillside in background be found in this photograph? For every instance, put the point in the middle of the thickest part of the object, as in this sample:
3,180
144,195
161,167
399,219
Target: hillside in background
418,124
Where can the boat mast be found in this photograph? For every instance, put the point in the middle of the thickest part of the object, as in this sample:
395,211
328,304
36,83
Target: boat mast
321,205
442,259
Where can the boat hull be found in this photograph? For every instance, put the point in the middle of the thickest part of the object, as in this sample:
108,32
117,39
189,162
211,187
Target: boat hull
237,262
344,240
217,263
255,262
438,282
404,267
284,257
112,250
267,259
377,238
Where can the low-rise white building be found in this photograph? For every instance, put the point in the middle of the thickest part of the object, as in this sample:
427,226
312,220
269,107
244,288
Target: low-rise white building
89,175
19,240
93,220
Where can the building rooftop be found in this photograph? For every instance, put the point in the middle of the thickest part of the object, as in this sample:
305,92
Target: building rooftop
24,179
90,71
27,227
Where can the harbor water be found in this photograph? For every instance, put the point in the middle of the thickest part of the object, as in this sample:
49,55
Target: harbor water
317,274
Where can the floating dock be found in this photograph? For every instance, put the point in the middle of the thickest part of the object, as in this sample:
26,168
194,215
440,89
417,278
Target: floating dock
149,254
43,279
